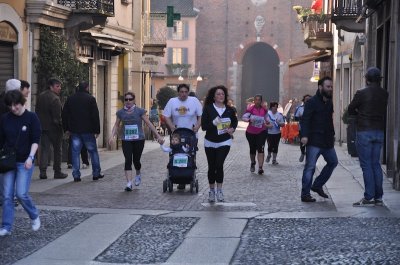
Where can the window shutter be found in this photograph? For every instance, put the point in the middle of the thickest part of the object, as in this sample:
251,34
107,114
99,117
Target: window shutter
185,55
185,30
170,55
170,32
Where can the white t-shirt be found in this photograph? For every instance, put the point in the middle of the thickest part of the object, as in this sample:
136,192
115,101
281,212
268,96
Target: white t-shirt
183,113
275,119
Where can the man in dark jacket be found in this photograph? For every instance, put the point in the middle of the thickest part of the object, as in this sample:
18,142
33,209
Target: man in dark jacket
48,109
369,104
81,120
318,134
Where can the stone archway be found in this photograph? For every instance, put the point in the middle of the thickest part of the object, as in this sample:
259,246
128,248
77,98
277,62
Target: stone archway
260,72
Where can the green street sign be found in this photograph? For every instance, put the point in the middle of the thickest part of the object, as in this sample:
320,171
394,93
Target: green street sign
171,16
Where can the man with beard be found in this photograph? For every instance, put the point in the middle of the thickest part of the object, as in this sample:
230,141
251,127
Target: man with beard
318,134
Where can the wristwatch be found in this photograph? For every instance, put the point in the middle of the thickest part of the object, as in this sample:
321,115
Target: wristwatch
32,158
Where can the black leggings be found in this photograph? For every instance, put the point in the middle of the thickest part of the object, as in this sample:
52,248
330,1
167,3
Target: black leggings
216,158
132,151
256,142
273,142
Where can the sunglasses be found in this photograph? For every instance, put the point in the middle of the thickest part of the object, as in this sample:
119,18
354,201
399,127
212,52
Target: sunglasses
129,99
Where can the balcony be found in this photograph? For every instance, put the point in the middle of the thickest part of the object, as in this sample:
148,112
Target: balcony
95,7
318,32
345,14
154,33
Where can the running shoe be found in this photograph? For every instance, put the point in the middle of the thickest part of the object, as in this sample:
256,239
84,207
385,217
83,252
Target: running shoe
128,188
211,196
138,180
36,224
268,158
364,202
252,167
301,159
220,196
260,171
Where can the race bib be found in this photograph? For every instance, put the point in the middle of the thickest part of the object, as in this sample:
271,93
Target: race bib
180,160
258,121
224,125
131,132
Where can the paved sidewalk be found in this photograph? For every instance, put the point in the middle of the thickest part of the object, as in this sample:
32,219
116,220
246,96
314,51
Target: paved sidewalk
96,222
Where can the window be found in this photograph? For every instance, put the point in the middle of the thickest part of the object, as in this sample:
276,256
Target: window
177,55
180,31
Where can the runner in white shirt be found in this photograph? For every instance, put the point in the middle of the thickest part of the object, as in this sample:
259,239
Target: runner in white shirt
183,112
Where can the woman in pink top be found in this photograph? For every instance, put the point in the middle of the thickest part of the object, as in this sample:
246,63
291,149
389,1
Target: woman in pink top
256,116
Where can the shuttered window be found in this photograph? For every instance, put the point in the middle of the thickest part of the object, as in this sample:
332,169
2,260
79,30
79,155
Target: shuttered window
6,63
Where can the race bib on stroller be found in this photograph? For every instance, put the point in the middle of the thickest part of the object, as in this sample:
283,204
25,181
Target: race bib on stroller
224,125
180,160
131,132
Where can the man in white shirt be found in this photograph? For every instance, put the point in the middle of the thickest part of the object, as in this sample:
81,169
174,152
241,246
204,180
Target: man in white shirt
183,112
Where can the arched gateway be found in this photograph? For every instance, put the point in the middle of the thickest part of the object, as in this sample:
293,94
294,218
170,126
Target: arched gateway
260,72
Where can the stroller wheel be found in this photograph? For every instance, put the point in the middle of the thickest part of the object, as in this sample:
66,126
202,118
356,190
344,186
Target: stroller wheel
170,186
197,186
191,186
164,187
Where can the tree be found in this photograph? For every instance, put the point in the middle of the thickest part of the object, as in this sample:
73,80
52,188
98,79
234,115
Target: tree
164,94
56,59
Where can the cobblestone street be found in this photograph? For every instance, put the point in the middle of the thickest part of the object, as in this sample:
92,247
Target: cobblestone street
262,220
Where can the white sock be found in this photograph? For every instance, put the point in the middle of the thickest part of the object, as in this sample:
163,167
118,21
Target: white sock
129,184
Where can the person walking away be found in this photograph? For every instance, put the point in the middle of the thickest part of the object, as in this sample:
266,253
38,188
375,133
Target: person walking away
369,105
298,114
274,133
82,123
219,121
183,111
318,134
257,117
19,129
48,109
132,135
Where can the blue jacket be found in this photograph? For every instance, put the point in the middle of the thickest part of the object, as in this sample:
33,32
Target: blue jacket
317,122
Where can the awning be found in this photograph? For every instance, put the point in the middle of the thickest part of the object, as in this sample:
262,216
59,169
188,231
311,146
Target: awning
315,56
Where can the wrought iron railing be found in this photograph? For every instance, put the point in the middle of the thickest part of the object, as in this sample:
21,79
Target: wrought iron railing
154,29
105,7
346,8
318,32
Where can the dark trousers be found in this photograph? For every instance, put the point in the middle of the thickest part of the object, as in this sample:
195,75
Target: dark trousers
132,152
216,158
256,142
84,154
50,138
273,142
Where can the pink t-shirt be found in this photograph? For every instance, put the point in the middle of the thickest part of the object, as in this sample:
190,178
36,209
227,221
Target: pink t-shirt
259,117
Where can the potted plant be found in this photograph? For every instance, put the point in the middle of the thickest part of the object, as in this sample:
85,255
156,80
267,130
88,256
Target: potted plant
302,13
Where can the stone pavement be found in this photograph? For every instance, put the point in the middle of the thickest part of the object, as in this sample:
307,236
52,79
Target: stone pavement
262,221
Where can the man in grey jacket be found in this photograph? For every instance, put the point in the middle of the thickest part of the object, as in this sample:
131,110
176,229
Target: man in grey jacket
48,109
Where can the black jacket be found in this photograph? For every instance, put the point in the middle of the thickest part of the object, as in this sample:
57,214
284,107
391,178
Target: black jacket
317,122
209,114
369,104
80,114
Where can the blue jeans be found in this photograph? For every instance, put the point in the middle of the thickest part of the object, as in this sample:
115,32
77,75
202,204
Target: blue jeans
20,179
87,139
312,155
369,145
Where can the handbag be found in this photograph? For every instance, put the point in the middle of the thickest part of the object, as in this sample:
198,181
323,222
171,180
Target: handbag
8,157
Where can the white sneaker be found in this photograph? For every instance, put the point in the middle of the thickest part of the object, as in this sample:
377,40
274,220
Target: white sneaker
138,180
36,224
211,196
4,232
84,166
220,196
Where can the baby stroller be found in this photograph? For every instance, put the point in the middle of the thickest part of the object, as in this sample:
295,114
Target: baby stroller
182,165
